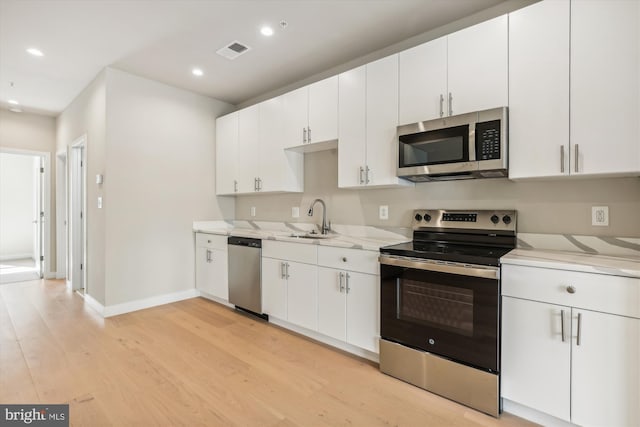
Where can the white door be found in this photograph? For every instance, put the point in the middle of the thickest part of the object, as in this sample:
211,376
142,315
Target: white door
248,146
605,370
539,90
382,121
423,82
478,67
352,128
296,117
274,288
332,303
323,110
302,295
605,86
227,154
273,169
536,362
363,310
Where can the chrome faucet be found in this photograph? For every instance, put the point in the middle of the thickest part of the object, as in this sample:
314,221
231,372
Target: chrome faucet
325,227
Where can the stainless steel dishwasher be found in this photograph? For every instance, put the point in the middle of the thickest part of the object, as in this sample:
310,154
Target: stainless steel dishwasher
245,288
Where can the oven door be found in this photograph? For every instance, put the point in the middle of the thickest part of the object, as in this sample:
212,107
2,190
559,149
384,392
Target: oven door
451,311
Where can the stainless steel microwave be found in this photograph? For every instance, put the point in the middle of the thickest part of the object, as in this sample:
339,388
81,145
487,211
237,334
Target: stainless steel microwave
472,145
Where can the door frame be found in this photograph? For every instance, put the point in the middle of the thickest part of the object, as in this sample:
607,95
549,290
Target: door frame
45,238
61,215
75,227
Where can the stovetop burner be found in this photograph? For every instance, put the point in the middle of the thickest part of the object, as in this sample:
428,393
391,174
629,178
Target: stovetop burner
470,237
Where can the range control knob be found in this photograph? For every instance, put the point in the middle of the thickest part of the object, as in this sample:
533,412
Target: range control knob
495,219
427,217
418,217
506,219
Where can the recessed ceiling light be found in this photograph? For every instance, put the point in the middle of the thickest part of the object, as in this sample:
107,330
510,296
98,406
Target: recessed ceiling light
197,72
266,31
35,52
13,102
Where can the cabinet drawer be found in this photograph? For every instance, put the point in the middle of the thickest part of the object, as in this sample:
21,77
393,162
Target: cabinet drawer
349,259
211,241
598,292
300,252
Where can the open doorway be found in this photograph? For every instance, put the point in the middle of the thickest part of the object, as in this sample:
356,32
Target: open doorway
24,215
77,264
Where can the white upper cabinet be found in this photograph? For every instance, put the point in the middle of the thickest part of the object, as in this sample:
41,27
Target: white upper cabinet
539,90
423,82
248,143
463,72
478,67
368,112
311,113
605,80
227,154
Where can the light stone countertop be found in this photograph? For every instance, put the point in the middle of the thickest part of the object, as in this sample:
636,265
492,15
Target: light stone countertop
354,237
627,266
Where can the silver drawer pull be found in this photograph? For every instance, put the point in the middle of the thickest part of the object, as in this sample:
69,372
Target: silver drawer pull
344,259
562,324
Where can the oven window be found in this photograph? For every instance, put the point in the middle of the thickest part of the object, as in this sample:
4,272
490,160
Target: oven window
435,147
443,307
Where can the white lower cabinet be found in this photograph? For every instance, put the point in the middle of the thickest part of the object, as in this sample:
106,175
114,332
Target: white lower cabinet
211,265
569,352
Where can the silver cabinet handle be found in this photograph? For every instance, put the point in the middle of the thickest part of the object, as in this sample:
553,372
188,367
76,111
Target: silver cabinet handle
578,338
347,280
361,172
367,175
450,104
235,186
304,135
283,274
571,289
255,184
575,163
562,324
259,180
287,270
209,259
341,278
308,134
441,105
562,159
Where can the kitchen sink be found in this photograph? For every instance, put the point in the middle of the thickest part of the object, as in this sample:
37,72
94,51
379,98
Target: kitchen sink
311,236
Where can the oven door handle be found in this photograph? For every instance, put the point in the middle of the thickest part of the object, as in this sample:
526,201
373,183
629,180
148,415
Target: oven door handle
471,270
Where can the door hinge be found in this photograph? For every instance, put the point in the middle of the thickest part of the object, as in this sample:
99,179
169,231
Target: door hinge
81,163
42,214
80,266
41,170
41,257
80,214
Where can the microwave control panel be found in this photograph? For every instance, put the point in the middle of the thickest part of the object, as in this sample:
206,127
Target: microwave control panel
488,140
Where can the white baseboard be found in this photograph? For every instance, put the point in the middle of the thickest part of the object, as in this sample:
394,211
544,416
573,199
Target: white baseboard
12,257
92,302
127,307
366,354
532,414
215,299
60,276
51,275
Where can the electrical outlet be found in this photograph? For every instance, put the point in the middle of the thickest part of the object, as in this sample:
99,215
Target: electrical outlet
295,212
253,211
384,212
600,216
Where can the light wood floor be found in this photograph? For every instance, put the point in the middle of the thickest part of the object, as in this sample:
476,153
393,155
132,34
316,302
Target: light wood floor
195,363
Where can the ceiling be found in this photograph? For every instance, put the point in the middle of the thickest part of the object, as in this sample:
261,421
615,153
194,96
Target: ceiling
164,39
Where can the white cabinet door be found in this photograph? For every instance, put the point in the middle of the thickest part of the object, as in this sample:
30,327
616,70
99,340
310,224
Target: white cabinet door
423,82
363,310
478,67
296,118
605,86
248,146
352,129
274,288
382,121
302,295
332,303
226,154
211,272
536,369
323,110
605,373
539,90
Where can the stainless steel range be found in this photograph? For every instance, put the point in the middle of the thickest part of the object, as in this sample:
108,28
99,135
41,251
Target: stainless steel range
439,304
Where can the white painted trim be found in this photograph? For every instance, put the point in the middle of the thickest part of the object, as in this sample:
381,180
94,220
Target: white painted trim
50,275
16,256
60,275
214,299
532,414
91,302
366,354
61,214
69,286
127,307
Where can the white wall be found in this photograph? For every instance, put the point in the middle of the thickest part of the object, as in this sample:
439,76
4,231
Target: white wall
87,115
17,206
160,178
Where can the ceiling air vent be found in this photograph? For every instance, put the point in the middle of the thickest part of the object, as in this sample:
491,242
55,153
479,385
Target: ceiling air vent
233,50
